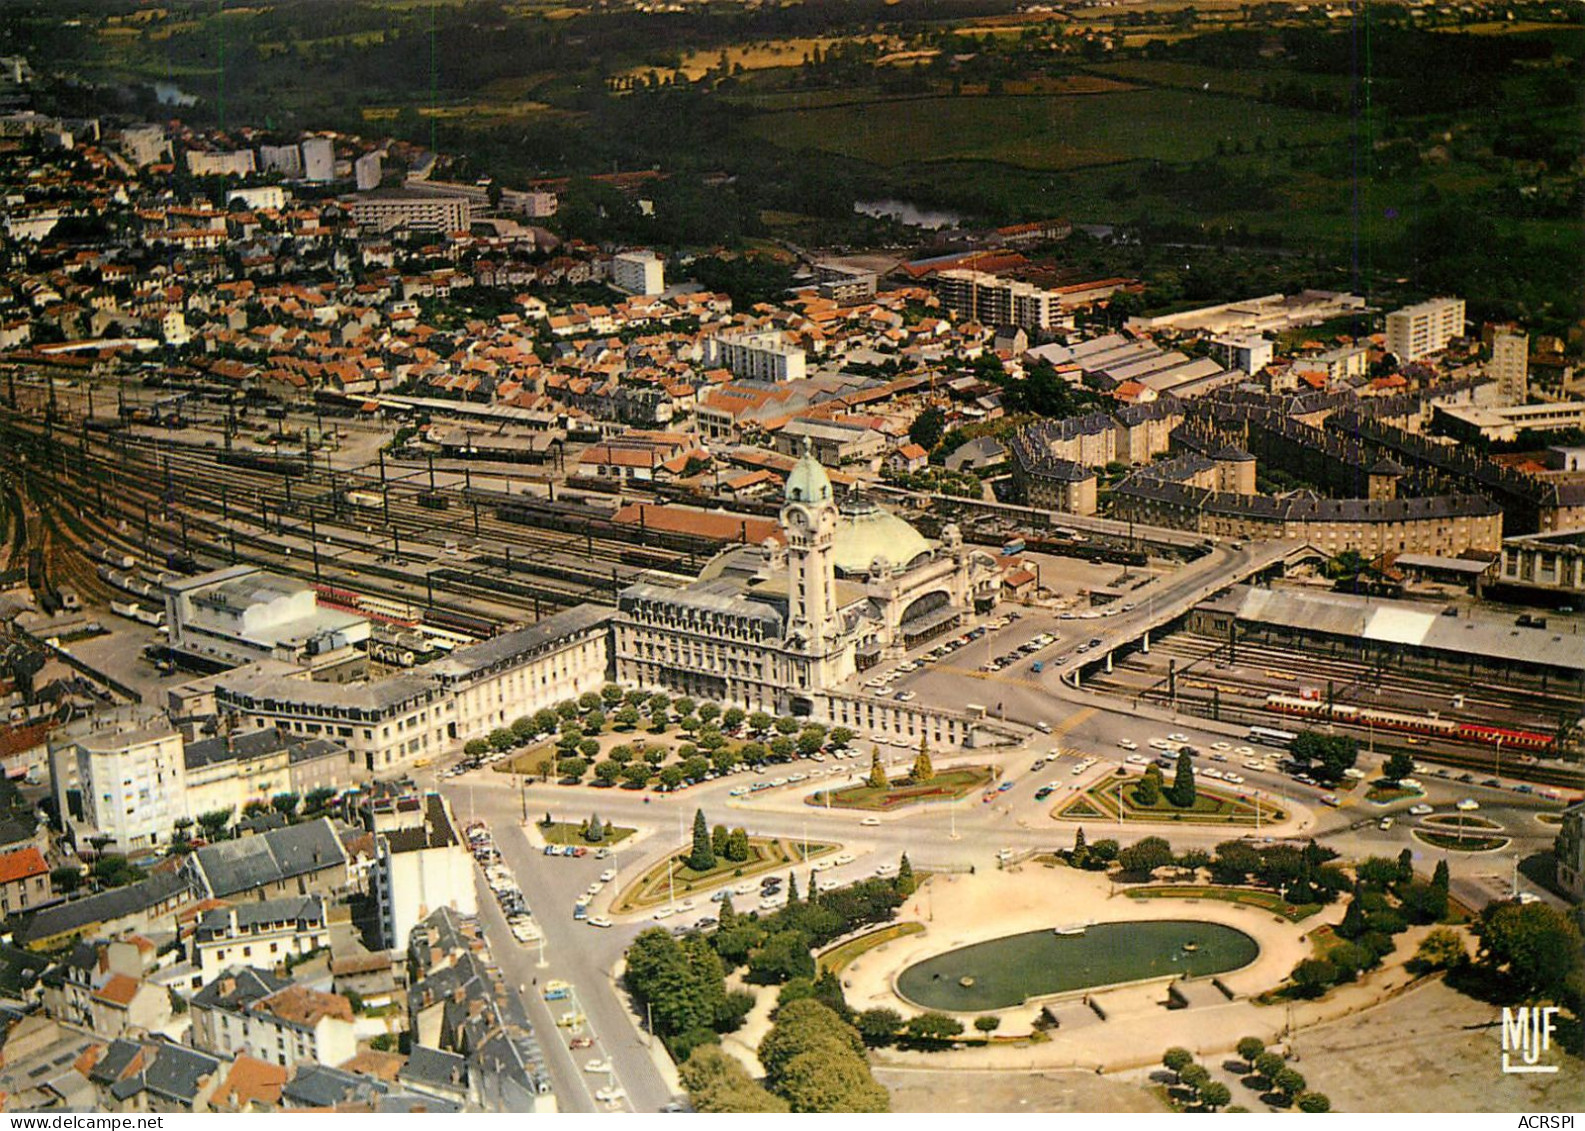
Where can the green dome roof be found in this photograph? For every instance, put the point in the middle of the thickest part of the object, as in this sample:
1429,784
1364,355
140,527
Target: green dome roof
808,482
866,532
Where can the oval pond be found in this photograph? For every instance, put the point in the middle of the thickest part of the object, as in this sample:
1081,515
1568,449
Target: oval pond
1007,971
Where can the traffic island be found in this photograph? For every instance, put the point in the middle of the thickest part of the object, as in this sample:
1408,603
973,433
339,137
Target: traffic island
947,785
565,832
1460,833
672,875
1118,799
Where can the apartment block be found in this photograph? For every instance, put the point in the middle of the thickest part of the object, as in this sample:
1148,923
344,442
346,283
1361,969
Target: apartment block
1424,328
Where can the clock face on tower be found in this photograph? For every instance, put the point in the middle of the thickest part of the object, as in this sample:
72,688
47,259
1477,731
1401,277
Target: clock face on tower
798,520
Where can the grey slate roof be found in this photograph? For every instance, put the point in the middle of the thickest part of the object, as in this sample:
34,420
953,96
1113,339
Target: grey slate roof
233,866
319,1085
435,1068
100,908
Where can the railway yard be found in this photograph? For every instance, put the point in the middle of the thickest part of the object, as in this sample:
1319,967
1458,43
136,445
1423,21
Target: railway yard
1474,722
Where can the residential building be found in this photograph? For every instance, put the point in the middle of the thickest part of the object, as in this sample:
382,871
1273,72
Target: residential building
1249,354
833,442
1552,563
1510,365
153,1076
367,171
297,860
236,163
101,987
497,681
136,907
1425,328
759,355
638,272
422,864
994,301
319,159
132,780
284,159
241,614
24,881
384,723
248,1010
386,211
145,145
259,933
1569,852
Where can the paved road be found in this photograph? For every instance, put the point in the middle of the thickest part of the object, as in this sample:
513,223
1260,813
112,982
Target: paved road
967,834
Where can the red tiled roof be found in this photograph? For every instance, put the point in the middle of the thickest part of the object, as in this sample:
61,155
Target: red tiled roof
23,864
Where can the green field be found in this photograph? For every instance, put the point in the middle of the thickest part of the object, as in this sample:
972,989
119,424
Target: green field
1216,80
1044,131
948,785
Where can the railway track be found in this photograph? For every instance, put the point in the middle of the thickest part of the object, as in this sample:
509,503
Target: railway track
219,503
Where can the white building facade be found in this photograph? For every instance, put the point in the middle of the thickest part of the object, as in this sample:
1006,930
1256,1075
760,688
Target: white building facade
1424,328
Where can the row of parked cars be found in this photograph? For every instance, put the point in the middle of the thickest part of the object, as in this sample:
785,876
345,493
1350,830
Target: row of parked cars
884,681
502,883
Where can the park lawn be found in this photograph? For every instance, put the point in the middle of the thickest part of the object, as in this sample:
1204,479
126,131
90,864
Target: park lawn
947,785
838,957
1043,131
765,854
1248,897
565,832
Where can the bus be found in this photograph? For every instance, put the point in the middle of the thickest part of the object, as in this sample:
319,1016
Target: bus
1266,736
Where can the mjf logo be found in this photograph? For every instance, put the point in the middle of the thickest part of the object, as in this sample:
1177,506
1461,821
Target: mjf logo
1527,1036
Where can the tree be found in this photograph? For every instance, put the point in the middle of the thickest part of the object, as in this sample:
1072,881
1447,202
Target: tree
637,773
988,1023
732,718
783,955
1312,976
877,779
522,729
1330,754
476,748
1195,1076
1249,1048
1289,1082
737,849
1535,946
671,777
595,833
500,739
1268,1064
718,1082
1104,850
1397,767
1439,877
572,769
683,705
923,770
611,695
1147,791
589,748
761,721
627,717
927,428
285,804
318,800
1441,949
1146,856
215,822
1406,866
801,1027
65,880
840,736
786,726
702,856
879,1027
906,884
792,888
1314,1102
825,1080
608,772
1182,794
720,836
1176,1059
1215,1094
932,1027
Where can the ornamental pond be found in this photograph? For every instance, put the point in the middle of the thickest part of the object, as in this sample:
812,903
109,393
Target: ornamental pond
1008,971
